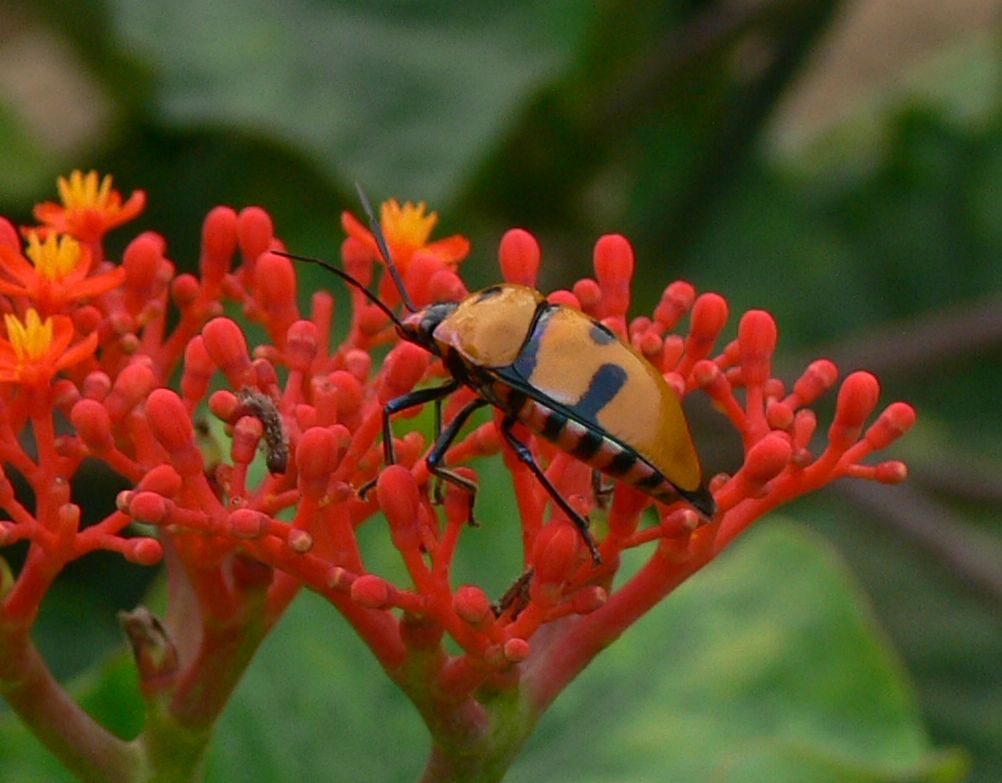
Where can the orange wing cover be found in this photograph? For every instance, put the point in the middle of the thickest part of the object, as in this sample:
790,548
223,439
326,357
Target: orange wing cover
579,366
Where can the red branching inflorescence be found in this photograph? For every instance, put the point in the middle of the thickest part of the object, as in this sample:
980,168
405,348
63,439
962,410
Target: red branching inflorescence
278,507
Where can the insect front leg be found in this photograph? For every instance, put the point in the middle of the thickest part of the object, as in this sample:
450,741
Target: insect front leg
412,400
523,453
442,443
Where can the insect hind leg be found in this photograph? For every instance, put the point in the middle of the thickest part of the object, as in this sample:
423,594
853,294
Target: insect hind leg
523,453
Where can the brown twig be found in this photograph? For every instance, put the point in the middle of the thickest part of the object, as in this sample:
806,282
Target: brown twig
915,344
971,556
963,476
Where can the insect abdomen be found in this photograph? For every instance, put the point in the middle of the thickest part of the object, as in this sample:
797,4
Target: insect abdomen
591,447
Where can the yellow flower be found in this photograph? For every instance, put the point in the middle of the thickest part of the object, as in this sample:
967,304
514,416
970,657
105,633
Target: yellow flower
90,207
35,350
407,229
53,272
55,257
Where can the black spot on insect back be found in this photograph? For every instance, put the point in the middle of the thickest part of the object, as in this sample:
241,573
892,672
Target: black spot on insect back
489,293
601,334
604,385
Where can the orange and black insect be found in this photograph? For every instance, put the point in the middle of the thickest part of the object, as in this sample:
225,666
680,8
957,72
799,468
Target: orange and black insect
562,374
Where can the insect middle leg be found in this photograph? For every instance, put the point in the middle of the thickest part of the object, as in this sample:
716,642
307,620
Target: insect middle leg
412,400
523,453
442,443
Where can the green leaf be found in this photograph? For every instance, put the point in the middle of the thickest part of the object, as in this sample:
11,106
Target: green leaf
401,100
765,667
21,161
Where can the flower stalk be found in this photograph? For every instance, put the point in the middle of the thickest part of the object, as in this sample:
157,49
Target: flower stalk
274,506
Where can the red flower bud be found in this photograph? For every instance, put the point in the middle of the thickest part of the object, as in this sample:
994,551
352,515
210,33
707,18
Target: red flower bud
404,367
372,592
275,289
518,254
142,261
712,380
224,405
264,375
301,346
93,425
554,557
650,345
472,605
339,578
219,242
779,415
516,650
709,316
227,347
347,391
247,523
96,385
184,290
87,319
247,433
856,400
891,472
171,426
818,378
757,342
564,299
446,286
357,258
370,319
588,294
148,507
163,480
805,422
255,233
399,499
676,301
589,599
143,551
767,458
421,269
198,370
131,387
614,270
64,394
359,364
895,421
319,451
300,541
627,504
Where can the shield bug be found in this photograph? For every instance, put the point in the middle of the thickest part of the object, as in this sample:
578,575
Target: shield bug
563,375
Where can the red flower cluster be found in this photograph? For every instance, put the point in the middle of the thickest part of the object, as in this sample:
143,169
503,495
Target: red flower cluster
303,419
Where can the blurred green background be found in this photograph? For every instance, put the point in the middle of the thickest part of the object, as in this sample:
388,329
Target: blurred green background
837,163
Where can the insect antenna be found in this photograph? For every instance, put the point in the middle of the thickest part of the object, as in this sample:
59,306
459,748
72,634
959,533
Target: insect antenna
384,249
348,279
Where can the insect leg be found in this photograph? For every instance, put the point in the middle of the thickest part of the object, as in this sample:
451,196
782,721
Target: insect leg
442,443
415,398
523,453
600,489
438,495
